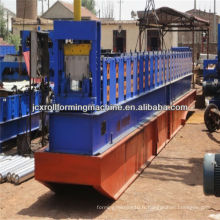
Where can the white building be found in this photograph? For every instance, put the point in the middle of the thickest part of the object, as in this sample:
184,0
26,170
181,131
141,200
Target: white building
8,15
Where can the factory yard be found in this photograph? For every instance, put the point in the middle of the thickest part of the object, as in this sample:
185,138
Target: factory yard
171,188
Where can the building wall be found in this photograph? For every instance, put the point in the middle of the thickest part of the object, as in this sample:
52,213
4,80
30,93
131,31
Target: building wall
132,32
8,17
170,40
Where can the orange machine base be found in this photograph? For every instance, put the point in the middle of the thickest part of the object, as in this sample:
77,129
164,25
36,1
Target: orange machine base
113,171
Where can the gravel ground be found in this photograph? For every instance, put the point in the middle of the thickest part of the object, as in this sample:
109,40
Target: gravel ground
171,188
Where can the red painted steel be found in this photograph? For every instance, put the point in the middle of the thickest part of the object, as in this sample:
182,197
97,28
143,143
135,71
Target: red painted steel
113,171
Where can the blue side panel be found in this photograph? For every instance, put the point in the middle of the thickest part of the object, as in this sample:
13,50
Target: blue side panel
83,132
16,106
18,126
14,111
206,71
180,49
180,87
86,129
17,69
7,49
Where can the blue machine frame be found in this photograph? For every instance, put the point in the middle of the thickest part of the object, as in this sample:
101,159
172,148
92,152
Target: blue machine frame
14,113
7,49
15,67
216,62
89,31
212,75
132,79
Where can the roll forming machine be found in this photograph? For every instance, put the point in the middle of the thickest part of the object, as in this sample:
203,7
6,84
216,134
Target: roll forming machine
103,148
14,96
15,92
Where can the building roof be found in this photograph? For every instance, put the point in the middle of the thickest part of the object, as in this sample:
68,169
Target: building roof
9,12
168,17
200,12
86,14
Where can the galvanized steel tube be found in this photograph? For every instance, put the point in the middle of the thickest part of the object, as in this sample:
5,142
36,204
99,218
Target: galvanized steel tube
2,157
19,167
16,161
25,175
20,171
23,168
9,161
3,174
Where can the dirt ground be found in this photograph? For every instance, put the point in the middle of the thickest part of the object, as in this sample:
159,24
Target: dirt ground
171,188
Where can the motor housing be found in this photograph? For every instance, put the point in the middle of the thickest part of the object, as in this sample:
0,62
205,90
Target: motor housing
211,174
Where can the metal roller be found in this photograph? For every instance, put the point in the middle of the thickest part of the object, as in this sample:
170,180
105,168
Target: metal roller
4,173
19,167
6,166
9,160
20,171
17,160
25,175
2,159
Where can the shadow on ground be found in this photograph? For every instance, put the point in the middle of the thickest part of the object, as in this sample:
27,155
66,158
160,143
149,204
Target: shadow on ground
213,138
80,202
189,172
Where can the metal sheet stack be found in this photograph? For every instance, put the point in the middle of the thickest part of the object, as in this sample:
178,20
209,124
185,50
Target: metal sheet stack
16,169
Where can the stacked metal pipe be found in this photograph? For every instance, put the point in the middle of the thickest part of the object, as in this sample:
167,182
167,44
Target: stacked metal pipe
16,169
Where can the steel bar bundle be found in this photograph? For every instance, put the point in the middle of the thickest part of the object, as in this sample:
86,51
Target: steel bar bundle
16,168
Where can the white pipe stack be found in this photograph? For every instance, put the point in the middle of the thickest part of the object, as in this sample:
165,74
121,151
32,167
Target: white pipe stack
16,169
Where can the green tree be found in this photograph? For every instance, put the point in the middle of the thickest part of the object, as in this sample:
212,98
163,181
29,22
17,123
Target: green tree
90,5
14,39
5,34
3,30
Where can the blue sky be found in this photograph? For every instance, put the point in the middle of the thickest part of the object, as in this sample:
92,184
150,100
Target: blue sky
136,5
